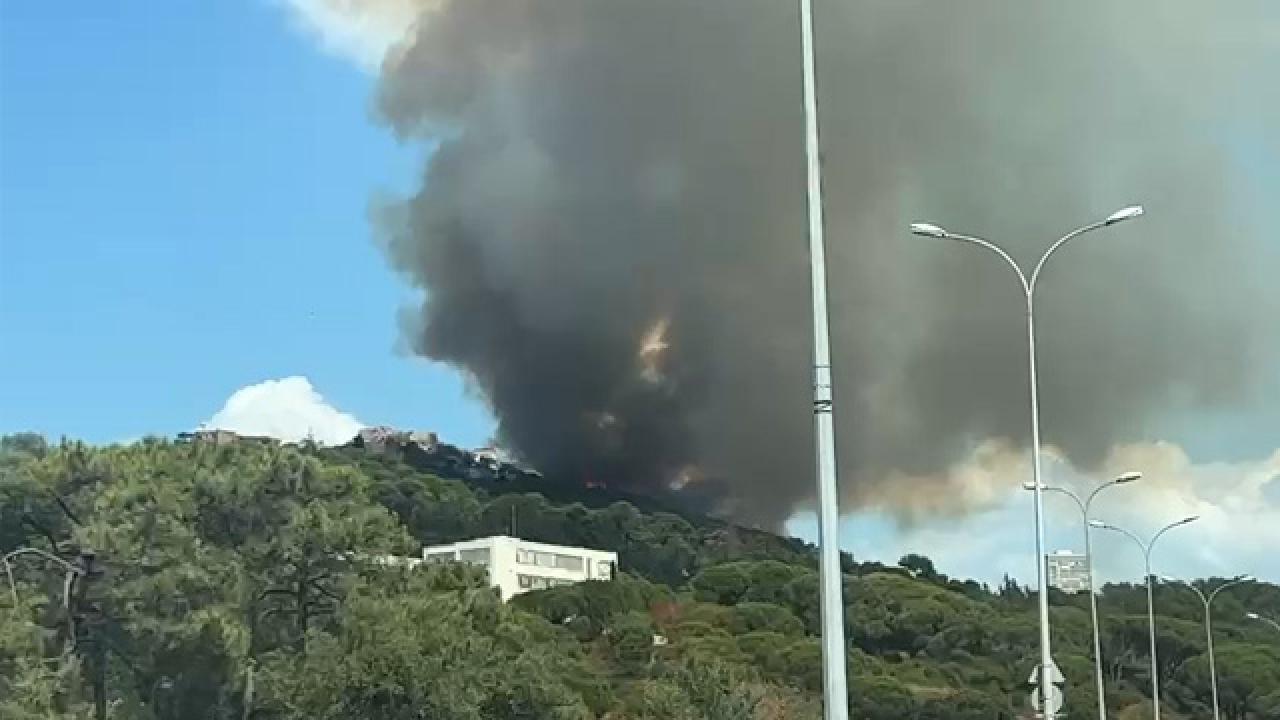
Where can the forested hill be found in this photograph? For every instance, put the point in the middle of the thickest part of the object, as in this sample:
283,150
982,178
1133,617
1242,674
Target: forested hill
217,588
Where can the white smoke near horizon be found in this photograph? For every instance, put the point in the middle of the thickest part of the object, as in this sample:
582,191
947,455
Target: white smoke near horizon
982,526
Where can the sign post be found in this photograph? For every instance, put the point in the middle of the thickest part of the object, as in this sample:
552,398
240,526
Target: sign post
1053,705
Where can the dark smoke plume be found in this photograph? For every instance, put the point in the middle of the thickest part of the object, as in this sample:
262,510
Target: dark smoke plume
610,233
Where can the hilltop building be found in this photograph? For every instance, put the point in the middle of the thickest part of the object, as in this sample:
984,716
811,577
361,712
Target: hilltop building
222,438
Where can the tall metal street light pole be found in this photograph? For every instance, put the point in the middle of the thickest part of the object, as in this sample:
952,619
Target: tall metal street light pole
1207,601
1088,559
1261,618
1028,290
834,684
1151,604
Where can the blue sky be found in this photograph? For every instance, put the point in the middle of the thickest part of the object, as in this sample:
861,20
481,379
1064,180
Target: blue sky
184,191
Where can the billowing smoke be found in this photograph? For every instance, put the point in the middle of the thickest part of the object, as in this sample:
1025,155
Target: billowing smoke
610,232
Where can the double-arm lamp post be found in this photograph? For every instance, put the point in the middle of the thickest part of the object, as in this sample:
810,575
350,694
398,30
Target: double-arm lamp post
1047,687
1084,506
1147,547
1207,601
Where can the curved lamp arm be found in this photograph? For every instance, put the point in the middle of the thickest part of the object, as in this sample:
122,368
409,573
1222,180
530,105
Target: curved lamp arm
1204,600
1022,277
1035,274
1062,491
44,554
1116,528
8,569
1263,618
1167,528
1118,216
1089,500
1237,580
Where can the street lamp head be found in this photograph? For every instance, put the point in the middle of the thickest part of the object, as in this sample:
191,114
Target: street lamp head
1187,520
1167,579
1028,485
1121,215
1253,616
1099,524
927,230
1131,476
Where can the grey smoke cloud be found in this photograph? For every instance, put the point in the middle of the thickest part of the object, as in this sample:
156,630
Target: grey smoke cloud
607,166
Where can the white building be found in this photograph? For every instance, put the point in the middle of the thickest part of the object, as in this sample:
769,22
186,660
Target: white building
517,566
1068,571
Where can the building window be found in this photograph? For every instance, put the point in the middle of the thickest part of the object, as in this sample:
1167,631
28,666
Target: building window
440,557
572,563
604,569
537,582
478,556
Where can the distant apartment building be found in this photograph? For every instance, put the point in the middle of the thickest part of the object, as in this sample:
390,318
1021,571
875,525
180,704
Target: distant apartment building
222,438
424,451
517,566
1068,571
381,437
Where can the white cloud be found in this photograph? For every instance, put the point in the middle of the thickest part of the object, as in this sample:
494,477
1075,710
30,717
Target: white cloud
363,31
1238,505
1239,525
289,409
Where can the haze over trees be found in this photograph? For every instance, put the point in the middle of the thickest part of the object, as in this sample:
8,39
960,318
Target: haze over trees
227,583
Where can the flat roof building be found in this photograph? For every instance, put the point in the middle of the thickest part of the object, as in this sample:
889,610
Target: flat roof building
517,566
1068,571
